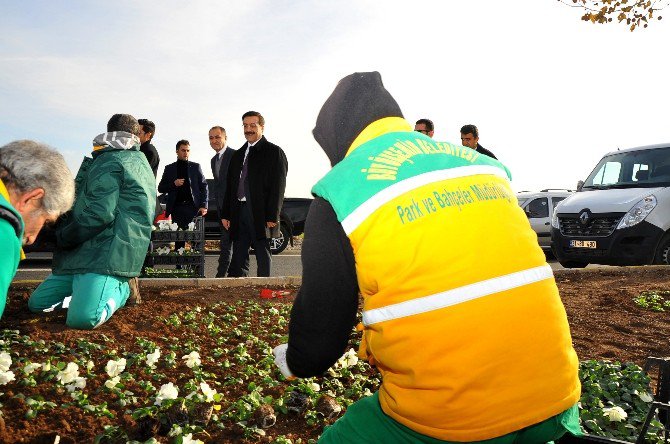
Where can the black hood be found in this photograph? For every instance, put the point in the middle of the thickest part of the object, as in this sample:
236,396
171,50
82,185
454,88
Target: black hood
358,100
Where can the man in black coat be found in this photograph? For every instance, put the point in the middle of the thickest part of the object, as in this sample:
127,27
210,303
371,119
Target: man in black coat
147,131
254,197
470,138
186,189
220,163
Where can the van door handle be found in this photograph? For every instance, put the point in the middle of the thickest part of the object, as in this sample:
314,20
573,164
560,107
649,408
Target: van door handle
546,223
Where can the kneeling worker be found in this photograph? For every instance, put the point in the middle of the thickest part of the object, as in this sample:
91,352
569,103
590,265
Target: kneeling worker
468,331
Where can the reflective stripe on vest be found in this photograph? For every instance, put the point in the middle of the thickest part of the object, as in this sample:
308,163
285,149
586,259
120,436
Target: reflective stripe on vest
353,220
457,295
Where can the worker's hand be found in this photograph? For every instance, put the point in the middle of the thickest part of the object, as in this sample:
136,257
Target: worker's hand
202,211
279,353
179,182
225,223
271,224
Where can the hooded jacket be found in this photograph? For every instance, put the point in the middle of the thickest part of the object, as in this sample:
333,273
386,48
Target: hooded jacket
436,315
109,227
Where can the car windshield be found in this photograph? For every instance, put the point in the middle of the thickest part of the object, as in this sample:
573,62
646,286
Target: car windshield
631,169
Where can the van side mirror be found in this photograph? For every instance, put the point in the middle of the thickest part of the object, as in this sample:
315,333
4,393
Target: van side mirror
580,184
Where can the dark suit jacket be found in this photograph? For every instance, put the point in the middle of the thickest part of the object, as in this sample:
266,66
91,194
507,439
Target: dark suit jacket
152,156
266,182
197,180
221,177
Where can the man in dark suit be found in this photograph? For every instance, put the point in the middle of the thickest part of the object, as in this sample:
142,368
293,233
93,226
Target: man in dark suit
220,163
470,138
147,131
186,189
254,197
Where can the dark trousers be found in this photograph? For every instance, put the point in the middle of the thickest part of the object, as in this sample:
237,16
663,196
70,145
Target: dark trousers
182,215
226,251
246,238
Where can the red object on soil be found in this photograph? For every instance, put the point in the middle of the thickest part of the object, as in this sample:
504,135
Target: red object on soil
267,293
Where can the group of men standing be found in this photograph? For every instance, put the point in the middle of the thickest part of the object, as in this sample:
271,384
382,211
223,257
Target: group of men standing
469,135
104,216
249,186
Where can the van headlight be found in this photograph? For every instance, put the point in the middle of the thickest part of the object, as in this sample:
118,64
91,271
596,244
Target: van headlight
638,213
554,220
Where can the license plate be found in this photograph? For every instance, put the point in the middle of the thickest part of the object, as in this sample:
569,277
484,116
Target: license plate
582,244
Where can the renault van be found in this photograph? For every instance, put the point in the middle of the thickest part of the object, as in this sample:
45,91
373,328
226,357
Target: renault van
621,213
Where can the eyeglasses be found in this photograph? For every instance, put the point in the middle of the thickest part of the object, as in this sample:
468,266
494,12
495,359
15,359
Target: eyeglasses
250,125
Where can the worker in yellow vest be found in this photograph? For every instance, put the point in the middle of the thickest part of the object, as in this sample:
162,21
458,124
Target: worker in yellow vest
461,313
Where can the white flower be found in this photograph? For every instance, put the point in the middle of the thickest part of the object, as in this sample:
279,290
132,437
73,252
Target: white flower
90,365
181,251
5,377
111,383
207,391
46,366
5,361
615,414
314,386
30,367
115,368
645,397
153,228
167,391
163,250
152,358
191,226
175,431
348,359
79,383
68,374
174,226
188,439
192,359
164,224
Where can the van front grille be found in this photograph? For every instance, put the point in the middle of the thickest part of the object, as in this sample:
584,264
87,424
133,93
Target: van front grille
597,226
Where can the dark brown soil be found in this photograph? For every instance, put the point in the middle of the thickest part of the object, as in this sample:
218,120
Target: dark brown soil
605,324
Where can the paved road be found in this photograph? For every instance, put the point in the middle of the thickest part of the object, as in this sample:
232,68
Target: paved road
38,265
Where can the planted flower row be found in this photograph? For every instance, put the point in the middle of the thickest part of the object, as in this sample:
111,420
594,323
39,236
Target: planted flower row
210,377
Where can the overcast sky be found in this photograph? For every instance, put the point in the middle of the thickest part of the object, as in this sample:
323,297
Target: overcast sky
550,94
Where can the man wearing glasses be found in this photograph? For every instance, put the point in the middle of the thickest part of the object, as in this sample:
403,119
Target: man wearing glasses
425,126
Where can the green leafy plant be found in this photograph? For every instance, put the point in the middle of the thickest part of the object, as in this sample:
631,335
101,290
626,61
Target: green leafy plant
615,401
654,300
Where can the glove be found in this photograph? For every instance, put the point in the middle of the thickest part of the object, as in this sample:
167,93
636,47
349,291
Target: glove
279,353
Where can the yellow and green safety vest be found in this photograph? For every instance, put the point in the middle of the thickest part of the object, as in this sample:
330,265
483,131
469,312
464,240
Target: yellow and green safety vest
462,315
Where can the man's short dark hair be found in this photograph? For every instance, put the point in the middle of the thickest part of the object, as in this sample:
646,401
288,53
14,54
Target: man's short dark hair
470,129
261,120
148,127
123,122
223,130
427,122
182,142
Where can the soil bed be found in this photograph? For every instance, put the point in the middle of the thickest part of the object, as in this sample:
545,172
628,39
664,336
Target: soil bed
233,330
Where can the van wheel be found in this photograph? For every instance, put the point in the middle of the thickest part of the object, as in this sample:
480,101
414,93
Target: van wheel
572,264
663,252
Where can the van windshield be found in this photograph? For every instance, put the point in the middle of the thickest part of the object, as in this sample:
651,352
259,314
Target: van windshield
632,169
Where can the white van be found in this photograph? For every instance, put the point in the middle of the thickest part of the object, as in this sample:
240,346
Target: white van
620,215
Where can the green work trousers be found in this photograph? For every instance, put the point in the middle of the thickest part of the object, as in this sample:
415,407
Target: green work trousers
95,297
366,422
